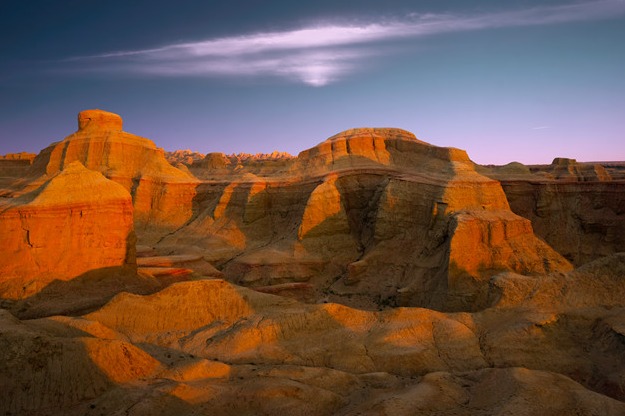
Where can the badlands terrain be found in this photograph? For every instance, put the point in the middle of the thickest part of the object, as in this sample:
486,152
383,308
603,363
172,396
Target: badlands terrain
373,274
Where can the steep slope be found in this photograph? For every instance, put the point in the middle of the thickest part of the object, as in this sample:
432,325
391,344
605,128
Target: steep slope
578,208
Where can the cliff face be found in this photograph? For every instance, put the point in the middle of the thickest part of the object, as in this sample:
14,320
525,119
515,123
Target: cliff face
578,208
369,216
75,222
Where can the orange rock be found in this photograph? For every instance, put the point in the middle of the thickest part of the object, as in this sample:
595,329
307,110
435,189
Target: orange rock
99,120
575,207
367,215
484,242
162,195
75,222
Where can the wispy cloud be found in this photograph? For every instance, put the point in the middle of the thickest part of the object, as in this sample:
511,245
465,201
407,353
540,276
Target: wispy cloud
541,128
319,55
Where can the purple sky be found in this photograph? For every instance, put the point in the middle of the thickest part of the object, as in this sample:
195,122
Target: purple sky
522,81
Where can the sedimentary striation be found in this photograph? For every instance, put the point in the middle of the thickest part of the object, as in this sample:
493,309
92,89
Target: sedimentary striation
372,274
161,193
74,222
578,208
369,216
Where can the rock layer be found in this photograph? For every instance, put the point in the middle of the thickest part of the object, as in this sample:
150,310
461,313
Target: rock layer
578,208
363,228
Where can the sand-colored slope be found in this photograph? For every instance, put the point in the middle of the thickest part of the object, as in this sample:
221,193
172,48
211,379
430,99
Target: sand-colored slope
209,347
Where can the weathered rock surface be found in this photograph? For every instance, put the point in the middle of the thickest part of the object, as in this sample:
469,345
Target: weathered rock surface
368,217
577,208
13,166
75,222
162,195
210,347
407,283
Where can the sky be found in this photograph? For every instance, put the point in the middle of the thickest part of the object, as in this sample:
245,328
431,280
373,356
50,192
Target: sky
507,81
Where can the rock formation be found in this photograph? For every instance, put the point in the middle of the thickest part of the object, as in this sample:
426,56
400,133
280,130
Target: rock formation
372,274
75,222
369,216
210,347
13,166
162,195
578,208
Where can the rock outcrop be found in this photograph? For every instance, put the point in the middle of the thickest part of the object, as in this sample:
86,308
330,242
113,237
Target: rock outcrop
13,166
369,217
162,195
577,208
75,222
210,347
373,274
569,169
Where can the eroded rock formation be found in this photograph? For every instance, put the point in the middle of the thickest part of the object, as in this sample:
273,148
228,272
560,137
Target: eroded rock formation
384,276
578,208
369,216
75,222
210,347
162,195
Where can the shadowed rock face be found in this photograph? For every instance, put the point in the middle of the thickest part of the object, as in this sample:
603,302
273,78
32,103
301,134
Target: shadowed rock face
209,347
578,208
368,217
360,230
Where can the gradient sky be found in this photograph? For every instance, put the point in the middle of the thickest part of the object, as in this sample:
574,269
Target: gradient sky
508,81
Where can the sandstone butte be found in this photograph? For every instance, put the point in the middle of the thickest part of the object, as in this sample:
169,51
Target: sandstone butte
373,274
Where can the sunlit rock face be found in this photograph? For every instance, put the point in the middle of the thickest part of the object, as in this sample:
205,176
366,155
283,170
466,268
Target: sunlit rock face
75,222
369,217
162,195
200,347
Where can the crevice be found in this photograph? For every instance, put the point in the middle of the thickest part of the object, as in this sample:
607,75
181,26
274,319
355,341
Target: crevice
30,244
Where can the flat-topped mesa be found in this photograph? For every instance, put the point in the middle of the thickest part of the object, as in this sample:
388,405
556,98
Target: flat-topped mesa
378,146
570,169
99,119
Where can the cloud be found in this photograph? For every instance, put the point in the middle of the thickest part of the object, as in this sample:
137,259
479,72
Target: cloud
320,55
541,128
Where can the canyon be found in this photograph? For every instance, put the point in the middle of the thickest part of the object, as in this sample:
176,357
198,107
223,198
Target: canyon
374,274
